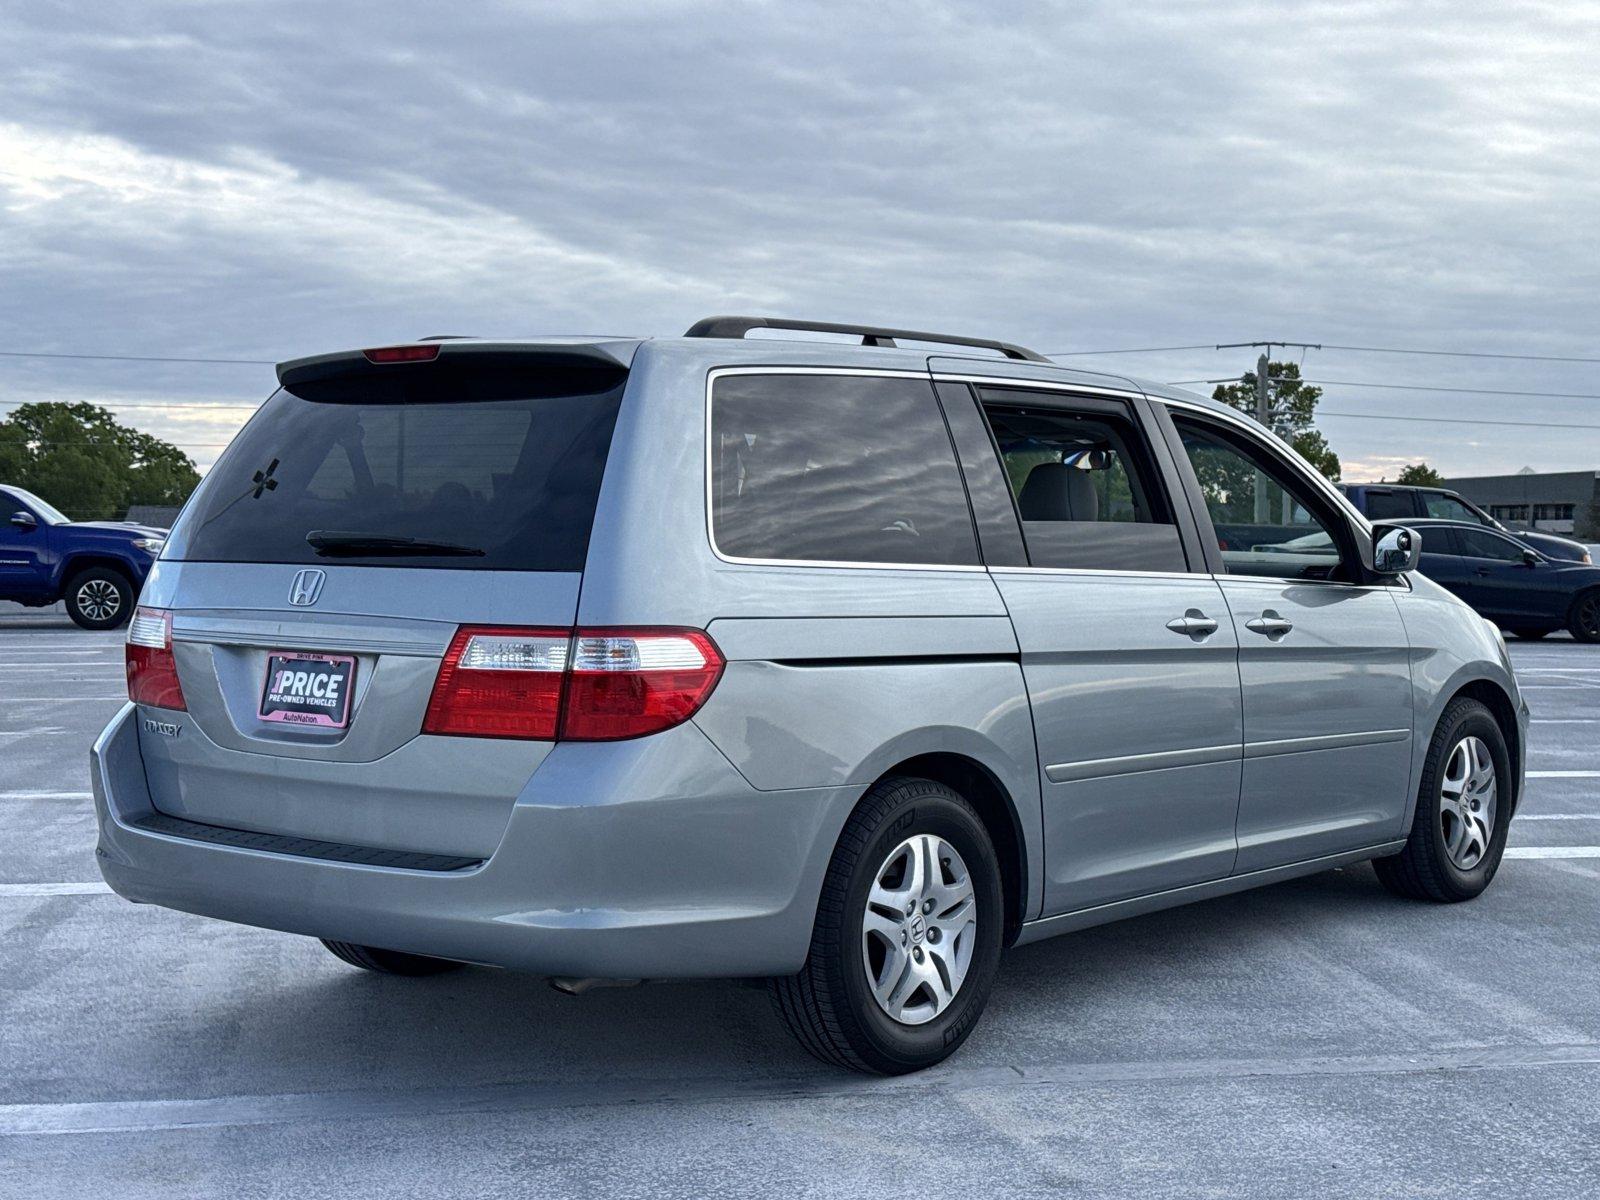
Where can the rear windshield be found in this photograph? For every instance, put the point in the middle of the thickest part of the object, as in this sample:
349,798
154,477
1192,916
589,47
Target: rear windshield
496,468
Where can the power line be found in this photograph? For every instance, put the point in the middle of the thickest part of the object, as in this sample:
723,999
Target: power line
1560,358
1453,420
1134,350
1408,387
198,405
151,358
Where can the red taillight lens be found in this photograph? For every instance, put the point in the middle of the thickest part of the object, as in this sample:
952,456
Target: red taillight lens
625,683
152,671
403,354
499,682
557,684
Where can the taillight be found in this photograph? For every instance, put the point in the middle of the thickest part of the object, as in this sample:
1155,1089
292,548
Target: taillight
626,683
403,354
497,682
152,671
558,684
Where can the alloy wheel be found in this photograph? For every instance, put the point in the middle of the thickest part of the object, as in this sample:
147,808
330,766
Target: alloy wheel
919,928
98,600
1589,616
1467,797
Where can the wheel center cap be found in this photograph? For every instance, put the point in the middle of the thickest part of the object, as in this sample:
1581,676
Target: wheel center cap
919,930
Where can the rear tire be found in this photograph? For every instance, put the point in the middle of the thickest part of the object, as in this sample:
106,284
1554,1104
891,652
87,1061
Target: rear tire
933,966
1531,635
1583,619
1463,811
99,598
388,962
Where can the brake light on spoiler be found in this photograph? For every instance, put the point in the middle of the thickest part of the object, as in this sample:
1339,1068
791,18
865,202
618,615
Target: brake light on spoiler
403,354
152,671
587,685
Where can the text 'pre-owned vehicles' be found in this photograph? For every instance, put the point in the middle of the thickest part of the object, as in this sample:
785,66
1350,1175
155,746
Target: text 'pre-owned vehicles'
1506,580
845,666
97,567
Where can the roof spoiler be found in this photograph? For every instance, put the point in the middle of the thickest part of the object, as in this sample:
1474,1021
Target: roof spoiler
871,335
612,355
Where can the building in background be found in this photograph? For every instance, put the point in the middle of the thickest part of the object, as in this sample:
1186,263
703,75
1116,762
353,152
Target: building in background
1555,501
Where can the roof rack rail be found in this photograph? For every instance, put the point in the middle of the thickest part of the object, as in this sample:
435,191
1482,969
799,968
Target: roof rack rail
871,335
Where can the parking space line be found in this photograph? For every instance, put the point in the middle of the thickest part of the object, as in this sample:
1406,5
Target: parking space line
1552,852
54,889
133,1116
1564,774
46,795
1520,817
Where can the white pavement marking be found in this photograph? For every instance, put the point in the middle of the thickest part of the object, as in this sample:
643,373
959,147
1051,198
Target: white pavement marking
1520,817
31,732
66,699
46,795
1564,774
54,889
1565,721
124,1116
1553,852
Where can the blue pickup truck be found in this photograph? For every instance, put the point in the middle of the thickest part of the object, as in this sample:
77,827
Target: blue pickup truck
97,567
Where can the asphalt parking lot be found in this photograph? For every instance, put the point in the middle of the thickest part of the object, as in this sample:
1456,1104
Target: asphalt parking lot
1318,1037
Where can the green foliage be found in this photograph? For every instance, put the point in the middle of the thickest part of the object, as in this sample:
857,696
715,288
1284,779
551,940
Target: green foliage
87,464
1420,475
1295,406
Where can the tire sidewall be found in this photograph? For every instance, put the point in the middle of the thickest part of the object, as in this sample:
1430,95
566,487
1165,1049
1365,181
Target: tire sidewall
883,1041
124,594
1575,624
1474,721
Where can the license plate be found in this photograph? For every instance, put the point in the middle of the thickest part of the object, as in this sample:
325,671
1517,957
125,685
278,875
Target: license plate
309,689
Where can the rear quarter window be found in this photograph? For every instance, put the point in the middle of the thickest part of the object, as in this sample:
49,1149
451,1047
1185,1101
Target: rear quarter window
503,461
835,468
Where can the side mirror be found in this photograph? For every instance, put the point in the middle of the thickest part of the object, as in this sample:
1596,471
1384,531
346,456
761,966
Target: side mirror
1530,559
1395,549
24,520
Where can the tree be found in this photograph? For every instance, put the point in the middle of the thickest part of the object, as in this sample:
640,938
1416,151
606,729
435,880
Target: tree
1294,412
1420,475
83,461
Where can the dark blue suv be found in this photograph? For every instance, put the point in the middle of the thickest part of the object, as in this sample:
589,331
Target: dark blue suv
97,567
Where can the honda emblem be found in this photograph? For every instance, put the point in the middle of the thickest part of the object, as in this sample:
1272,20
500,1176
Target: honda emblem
307,586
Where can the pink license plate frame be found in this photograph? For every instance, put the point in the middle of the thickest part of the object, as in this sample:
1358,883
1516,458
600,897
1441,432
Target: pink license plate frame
291,693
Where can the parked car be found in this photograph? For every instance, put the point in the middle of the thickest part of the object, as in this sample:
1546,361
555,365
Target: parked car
97,567
1505,579
847,666
1403,502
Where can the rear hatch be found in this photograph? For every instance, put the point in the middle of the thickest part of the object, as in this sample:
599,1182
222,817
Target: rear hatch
316,579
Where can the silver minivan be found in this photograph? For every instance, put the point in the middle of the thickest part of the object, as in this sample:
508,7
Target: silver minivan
840,663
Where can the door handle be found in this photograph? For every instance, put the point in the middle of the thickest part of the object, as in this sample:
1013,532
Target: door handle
1270,625
1193,623
1483,571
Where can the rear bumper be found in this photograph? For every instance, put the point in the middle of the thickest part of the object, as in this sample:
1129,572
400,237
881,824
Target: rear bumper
644,859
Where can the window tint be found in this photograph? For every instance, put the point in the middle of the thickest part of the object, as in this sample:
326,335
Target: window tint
1388,506
1265,521
1438,539
1480,543
507,462
1449,508
1083,486
835,468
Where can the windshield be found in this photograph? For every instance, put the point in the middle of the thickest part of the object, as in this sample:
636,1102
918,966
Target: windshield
47,513
468,468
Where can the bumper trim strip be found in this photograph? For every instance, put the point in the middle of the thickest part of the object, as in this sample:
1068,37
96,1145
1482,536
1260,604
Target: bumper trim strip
272,843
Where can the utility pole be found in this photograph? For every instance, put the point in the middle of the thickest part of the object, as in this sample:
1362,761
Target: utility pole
1264,410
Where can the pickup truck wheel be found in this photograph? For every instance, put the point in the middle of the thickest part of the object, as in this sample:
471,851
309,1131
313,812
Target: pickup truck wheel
907,936
1584,619
388,962
1463,811
99,598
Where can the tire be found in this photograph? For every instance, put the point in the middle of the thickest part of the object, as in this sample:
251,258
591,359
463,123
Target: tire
388,962
99,598
830,1006
1448,857
1583,619
1530,635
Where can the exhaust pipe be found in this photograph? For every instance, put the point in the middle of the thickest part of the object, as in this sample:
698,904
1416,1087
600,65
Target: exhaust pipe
568,986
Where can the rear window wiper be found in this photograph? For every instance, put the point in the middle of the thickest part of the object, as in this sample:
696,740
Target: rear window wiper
330,543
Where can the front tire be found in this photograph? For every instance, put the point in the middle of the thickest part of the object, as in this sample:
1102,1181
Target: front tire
1583,621
907,937
1463,811
99,598
388,962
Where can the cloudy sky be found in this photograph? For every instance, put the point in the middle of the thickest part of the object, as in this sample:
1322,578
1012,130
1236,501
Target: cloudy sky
259,181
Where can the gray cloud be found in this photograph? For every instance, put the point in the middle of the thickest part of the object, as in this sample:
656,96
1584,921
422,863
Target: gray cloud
263,180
